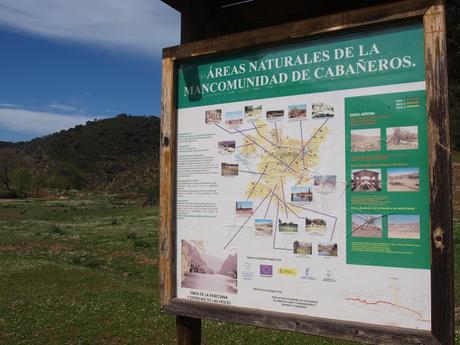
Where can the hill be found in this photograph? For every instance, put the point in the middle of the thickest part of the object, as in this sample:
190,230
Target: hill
119,154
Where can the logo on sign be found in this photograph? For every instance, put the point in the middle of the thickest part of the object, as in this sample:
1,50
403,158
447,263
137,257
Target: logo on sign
287,271
329,276
307,275
266,270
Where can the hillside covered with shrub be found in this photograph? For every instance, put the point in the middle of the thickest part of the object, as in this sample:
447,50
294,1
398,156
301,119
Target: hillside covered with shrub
120,154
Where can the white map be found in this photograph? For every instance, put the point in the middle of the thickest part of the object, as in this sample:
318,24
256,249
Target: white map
276,238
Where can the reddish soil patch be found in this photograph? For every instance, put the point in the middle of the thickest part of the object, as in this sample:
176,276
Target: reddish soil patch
57,246
14,248
145,261
11,214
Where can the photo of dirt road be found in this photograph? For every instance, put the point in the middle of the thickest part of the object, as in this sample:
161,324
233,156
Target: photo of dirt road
402,138
363,140
404,226
243,208
315,226
302,248
366,225
297,112
275,115
325,183
403,180
321,110
233,118
263,227
327,249
213,116
252,113
229,169
226,147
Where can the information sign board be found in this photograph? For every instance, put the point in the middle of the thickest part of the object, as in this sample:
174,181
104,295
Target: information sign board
302,180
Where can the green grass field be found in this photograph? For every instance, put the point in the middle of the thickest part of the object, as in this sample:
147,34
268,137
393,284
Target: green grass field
85,271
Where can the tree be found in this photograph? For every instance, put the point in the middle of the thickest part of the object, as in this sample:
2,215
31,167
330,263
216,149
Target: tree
67,176
10,159
37,183
20,178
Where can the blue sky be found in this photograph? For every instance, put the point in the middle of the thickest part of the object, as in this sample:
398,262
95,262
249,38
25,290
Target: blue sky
233,115
403,219
402,171
66,62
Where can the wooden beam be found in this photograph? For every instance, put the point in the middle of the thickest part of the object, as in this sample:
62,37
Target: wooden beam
200,18
393,12
311,325
207,19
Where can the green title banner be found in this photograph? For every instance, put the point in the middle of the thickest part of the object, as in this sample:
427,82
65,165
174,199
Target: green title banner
387,56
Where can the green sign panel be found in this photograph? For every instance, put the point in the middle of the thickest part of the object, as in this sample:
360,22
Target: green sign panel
387,171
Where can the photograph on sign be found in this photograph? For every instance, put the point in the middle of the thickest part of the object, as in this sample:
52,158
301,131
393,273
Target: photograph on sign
302,179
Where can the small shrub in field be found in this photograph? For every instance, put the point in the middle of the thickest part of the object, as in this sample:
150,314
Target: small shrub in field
92,262
131,236
87,261
141,243
114,221
56,229
77,260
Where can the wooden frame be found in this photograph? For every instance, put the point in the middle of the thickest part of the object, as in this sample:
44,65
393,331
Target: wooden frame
432,15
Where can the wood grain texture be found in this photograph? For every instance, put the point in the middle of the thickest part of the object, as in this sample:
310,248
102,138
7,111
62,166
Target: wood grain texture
188,330
311,325
392,12
167,181
442,309
254,15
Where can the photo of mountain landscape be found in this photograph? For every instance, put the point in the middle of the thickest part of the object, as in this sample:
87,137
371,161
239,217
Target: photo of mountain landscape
403,180
202,270
363,140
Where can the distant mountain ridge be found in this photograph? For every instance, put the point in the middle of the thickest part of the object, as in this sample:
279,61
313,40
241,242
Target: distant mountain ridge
119,154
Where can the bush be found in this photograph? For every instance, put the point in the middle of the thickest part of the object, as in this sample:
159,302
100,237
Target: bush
56,229
87,261
8,194
141,243
131,236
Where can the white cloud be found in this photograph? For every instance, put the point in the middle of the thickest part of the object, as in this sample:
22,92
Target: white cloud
37,123
136,26
61,107
9,105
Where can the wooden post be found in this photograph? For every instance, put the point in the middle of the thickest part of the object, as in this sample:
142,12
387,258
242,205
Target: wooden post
442,258
188,330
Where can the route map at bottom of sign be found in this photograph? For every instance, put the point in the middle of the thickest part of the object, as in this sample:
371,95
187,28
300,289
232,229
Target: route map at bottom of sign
366,302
